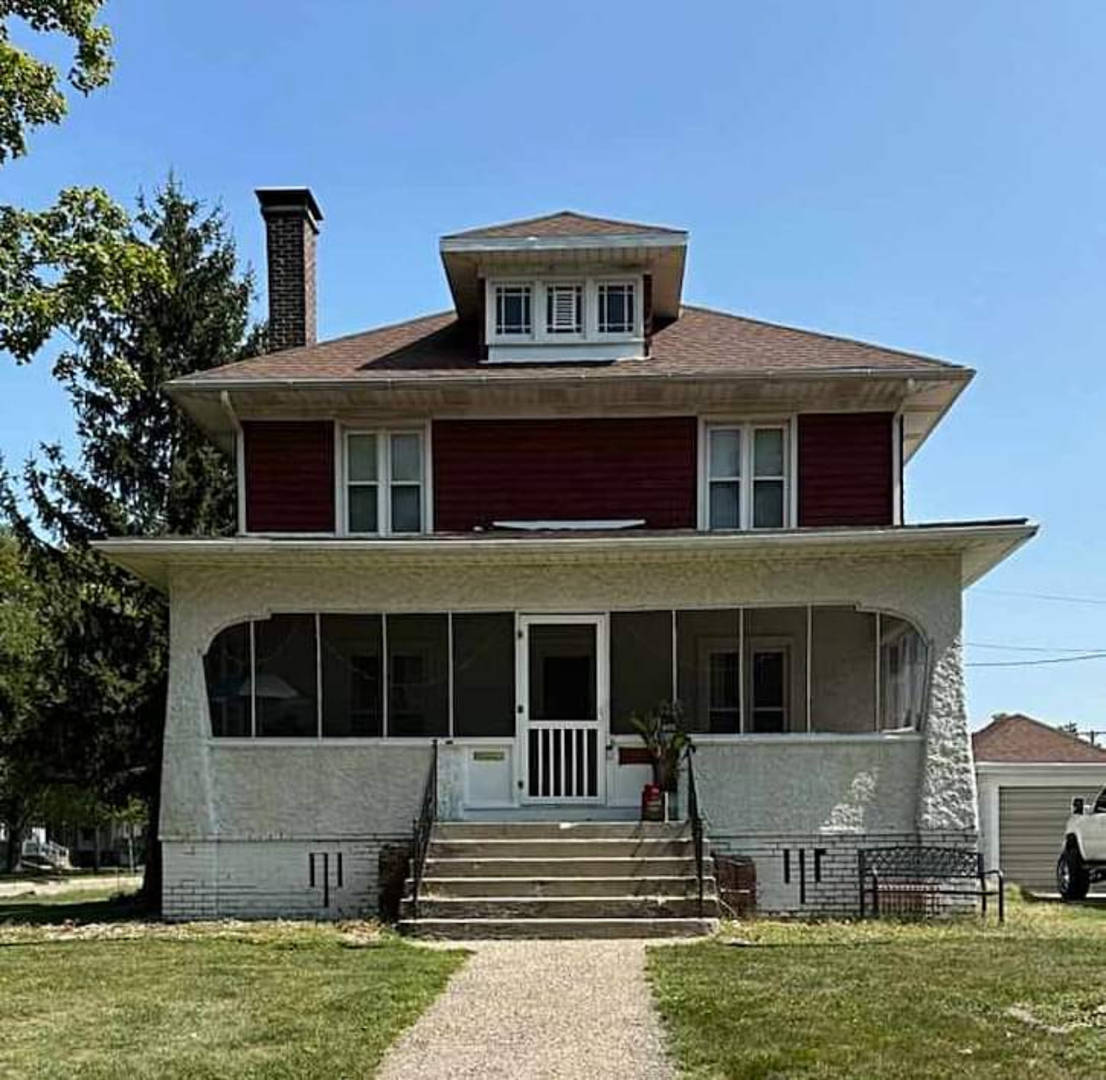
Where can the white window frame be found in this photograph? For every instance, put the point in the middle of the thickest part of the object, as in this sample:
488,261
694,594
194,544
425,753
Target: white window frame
745,481
635,330
545,288
589,323
384,482
537,309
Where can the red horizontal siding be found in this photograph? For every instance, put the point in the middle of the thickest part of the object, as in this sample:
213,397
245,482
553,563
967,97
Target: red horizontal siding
289,467
846,469
531,470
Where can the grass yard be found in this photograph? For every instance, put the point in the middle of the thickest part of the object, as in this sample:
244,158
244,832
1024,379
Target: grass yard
128,999
892,999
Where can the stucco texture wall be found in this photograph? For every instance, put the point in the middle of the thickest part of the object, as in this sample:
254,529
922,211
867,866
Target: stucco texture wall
317,790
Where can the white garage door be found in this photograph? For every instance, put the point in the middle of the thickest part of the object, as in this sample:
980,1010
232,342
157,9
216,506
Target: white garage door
1031,831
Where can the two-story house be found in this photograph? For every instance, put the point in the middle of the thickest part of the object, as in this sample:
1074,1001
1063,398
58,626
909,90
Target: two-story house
505,529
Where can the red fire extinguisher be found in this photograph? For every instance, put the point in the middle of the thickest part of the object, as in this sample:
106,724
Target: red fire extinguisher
652,803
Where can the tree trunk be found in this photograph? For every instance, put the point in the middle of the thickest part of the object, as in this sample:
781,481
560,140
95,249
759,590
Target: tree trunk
12,848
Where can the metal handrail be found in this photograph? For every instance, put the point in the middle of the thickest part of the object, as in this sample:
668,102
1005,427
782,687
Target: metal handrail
423,826
696,820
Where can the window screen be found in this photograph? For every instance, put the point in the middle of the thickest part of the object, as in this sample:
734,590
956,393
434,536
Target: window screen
707,684
352,668
418,670
284,687
227,673
484,674
641,665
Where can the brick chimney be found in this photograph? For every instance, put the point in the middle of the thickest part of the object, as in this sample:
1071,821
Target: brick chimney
291,225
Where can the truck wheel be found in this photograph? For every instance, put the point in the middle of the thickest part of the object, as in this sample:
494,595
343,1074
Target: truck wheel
1072,878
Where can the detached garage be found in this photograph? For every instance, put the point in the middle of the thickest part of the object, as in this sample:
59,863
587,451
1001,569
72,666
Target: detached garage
1027,774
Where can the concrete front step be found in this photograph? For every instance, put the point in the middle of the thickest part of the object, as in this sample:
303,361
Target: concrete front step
592,847
478,929
561,886
561,830
562,907
621,866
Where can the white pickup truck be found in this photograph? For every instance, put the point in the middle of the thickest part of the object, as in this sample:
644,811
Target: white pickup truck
1083,859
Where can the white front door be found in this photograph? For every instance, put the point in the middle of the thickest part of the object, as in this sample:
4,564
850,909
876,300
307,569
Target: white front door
562,708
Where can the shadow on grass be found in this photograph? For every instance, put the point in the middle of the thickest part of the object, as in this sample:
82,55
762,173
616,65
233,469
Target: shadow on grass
45,912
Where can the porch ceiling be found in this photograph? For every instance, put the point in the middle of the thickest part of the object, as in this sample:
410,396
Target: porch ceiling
980,545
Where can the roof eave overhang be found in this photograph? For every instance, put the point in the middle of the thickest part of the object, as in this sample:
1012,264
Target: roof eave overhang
662,254
1037,767
923,396
980,546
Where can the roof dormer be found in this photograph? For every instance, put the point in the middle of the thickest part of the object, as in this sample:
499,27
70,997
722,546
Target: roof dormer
565,287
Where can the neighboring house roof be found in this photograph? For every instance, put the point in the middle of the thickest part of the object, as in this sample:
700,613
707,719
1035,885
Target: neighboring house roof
1021,739
562,223
701,343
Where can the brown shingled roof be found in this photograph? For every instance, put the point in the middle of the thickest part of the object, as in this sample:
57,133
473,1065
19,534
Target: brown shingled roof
563,223
1021,739
700,343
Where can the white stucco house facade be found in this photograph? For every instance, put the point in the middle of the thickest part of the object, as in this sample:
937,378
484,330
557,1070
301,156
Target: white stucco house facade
505,530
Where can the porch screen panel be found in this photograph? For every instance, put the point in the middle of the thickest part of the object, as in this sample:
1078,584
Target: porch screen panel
843,670
285,681
484,674
707,675
227,673
774,691
352,664
641,665
418,675
903,671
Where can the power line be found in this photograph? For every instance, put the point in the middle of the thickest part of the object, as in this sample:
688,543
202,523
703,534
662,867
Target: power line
1033,663
1096,600
1027,648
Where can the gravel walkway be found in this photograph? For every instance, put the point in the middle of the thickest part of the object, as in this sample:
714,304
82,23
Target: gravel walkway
549,1009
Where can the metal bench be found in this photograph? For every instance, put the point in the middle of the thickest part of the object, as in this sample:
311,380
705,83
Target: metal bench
908,880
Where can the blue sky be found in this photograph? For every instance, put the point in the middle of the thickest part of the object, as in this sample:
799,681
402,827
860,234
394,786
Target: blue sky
931,176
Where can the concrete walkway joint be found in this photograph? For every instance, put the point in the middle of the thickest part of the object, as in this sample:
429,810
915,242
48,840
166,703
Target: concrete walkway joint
528,1009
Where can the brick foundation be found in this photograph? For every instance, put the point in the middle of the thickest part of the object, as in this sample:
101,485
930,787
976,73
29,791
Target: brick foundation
265,879
816,874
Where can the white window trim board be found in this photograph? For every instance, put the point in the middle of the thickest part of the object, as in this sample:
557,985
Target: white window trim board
746,426
383,482
539,336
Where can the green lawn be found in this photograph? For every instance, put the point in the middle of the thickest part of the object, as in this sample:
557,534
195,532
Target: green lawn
93,998
891,999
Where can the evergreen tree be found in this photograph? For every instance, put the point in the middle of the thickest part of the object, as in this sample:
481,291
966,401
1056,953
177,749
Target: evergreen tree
143,469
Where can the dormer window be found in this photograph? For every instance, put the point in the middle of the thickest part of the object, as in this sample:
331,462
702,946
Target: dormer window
616,307
564,309
557,318
513,310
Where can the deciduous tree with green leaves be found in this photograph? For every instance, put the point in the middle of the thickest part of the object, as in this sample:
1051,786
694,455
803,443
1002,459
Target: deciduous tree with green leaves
31,91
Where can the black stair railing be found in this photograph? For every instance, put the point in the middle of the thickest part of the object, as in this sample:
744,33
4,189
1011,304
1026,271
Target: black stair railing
696,819
424,825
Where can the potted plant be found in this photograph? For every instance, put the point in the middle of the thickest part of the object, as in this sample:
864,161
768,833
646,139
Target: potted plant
665,742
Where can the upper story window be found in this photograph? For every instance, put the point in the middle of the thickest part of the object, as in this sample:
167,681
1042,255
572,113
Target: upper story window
564,309
746,483
616,307
385,491
559,319
514,310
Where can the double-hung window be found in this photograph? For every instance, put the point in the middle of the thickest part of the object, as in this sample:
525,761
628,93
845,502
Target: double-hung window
746,476
384,482
616,302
